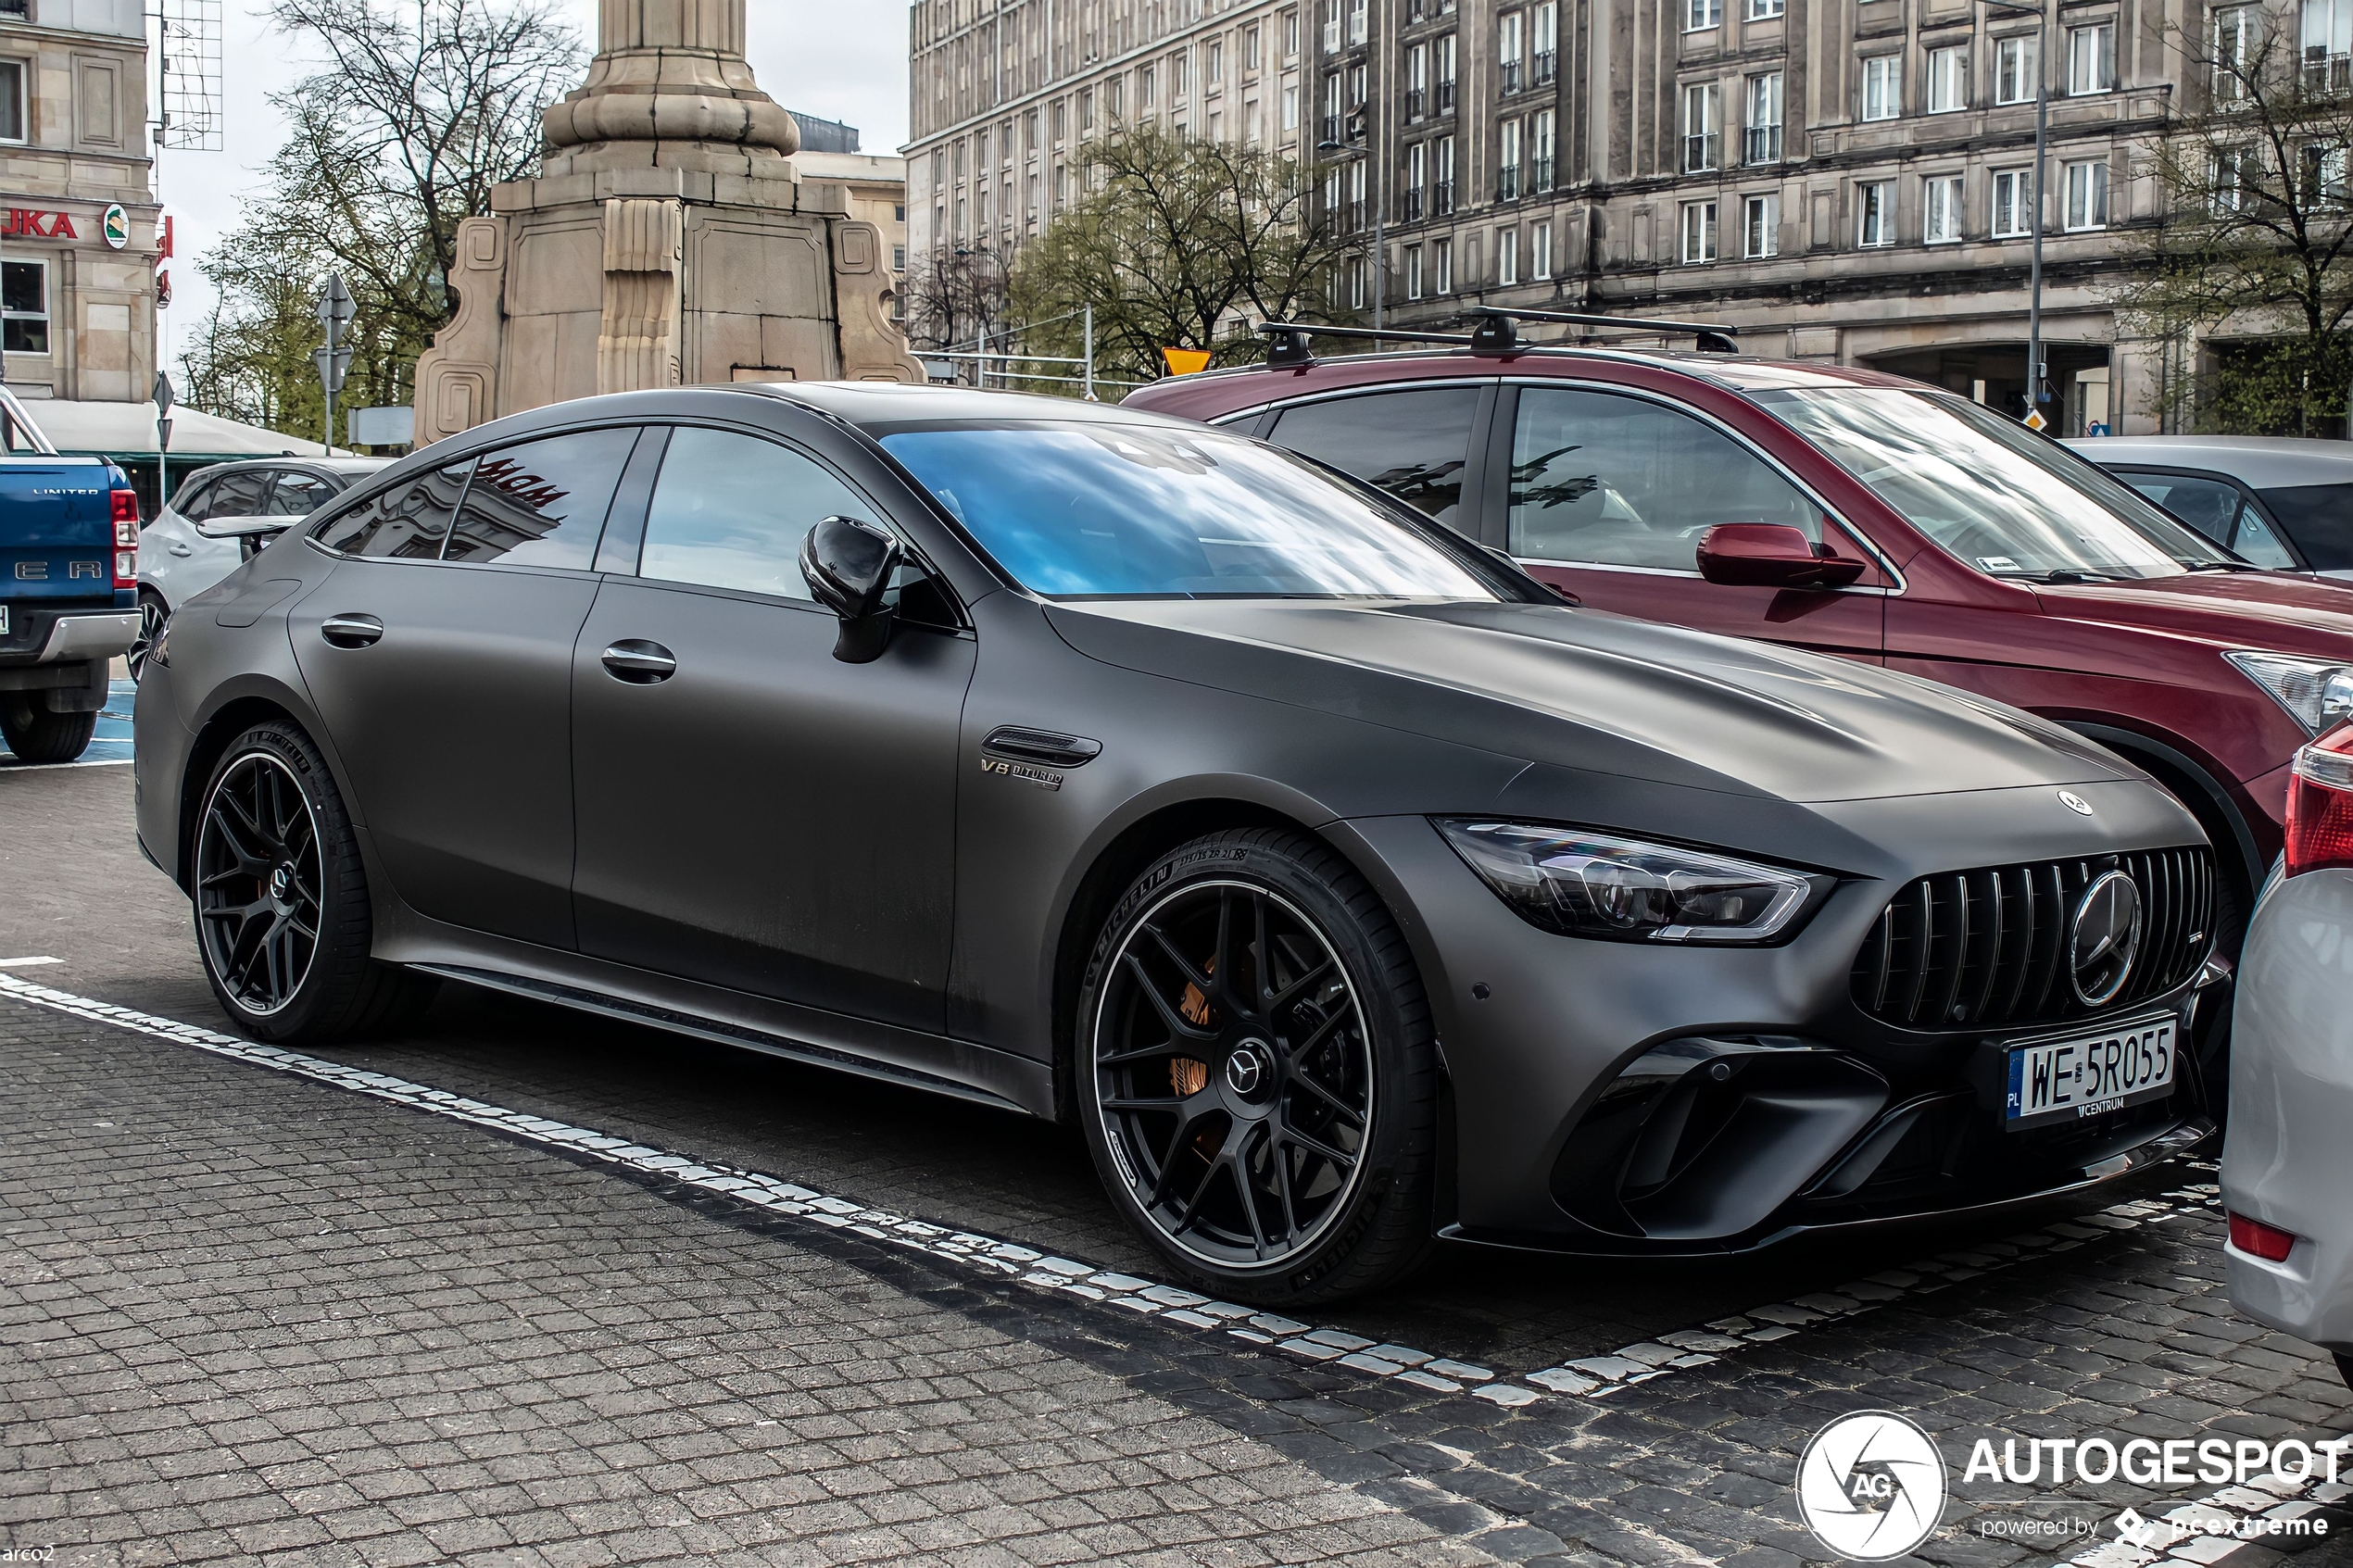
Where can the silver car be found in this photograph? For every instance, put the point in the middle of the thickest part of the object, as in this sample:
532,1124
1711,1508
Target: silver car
2281,503
218,518
2287,1165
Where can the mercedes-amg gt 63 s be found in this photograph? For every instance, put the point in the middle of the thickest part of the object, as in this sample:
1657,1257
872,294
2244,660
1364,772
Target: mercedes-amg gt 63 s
1344,885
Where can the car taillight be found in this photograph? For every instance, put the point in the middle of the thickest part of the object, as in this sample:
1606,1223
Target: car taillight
2267,1242
126,539
2319,805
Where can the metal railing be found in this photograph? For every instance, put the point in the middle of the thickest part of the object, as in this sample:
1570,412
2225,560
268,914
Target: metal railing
1539,174
1509,76
1442,98
1417,100
1547,65
1507,182
1442,197
1699,152
1761,143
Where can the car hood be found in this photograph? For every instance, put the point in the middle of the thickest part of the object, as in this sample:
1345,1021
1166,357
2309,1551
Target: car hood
1599,692
2285,612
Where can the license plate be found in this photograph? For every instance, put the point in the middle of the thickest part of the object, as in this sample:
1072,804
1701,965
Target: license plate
2062,1080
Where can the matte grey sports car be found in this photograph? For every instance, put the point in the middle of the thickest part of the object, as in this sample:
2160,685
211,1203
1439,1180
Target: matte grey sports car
1346,886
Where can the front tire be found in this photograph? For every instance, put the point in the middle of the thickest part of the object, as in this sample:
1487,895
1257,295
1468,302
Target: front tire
153,614
282,922
35,735
1255,1071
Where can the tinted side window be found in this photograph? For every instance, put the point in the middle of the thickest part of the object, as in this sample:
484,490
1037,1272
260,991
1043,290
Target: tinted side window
195,500
2319,519
408,521
1411,444
542,503
299,495
2215,509
239,494
730,511
1621,481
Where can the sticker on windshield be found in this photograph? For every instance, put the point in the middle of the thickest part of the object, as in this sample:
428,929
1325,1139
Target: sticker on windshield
1997,563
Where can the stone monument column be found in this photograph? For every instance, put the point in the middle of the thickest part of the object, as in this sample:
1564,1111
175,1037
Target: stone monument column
668,241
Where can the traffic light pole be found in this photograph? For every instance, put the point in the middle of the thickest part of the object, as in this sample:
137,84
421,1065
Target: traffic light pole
336,308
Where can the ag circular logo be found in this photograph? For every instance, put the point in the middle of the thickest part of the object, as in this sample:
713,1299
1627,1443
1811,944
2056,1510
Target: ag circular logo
2106,938
1871,1485
2075,803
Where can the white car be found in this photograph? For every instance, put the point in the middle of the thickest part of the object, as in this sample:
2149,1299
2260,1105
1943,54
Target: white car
2282,503
220,517
2287,1164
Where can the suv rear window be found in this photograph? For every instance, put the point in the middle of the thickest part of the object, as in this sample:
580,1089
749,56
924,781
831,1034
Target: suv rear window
1411,444
2319,519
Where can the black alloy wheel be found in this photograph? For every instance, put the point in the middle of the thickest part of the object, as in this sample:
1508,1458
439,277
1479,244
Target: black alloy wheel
152,615
260,879
1236,1086
283,920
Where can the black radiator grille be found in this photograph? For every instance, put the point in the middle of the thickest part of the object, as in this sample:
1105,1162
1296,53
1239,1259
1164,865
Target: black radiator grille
1988,948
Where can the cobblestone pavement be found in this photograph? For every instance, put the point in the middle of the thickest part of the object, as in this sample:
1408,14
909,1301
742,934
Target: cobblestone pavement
247,1313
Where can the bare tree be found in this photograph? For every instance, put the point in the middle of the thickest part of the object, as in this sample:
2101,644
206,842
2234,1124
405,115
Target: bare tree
2257,245
417,108
952,298
1179,243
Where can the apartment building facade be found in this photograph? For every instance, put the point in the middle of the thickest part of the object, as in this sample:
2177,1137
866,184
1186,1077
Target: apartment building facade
79,226
1005,94
1848,180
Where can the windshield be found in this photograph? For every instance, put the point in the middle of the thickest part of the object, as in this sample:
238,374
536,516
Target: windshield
2319,519
1990,491
1135,511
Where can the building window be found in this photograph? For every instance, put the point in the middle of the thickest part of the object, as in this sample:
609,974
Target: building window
2091,58
1540,150
899,258
2324,175
1508,161
1356,195
1416,81
1213,67
2233,50
2228,182
1506,255
1291,34
2087,195
1250,48
2328,41
24,300
1510,45
1412,272
12,101
1947,80
1699,233
1875,205
1883,87
1355,22
1442,67
1762,137
1942,206
1540,251
1178,81
1765,10
2014,66
1701,14
1761,225
1442,184
1544,24
1441,267
1701,131
1409,206
1290,108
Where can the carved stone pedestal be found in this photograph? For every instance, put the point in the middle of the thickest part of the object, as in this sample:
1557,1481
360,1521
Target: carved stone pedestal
667,242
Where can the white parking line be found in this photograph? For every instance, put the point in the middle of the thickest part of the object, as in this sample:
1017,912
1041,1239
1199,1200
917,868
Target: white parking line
27,964
1590,1377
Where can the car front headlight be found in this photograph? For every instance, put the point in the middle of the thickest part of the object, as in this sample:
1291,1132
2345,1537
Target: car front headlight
1584,883
2316,691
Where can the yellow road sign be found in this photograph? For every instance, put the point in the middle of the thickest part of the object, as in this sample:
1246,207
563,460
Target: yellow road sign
1186,361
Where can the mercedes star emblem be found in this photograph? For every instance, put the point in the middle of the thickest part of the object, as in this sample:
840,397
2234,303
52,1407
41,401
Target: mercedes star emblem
2106,939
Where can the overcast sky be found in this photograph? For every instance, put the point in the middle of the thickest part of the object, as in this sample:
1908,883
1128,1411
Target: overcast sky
842,59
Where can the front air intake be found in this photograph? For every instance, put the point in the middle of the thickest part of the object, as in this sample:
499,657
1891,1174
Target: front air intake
1989,949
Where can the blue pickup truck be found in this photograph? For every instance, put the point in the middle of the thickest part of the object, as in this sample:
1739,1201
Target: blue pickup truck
68,588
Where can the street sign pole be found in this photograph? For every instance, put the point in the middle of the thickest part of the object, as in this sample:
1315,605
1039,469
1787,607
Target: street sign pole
336,308
165,397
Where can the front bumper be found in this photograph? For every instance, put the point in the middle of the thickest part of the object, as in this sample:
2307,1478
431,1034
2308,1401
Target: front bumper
2287,1161
1807,1114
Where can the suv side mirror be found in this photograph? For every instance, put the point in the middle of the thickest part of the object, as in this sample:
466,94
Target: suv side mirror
848,565
1771,555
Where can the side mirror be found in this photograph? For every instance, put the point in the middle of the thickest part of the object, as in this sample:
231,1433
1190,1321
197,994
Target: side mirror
244,527
848,565
1771,555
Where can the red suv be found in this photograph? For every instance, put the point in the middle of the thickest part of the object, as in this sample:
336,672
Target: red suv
1849,512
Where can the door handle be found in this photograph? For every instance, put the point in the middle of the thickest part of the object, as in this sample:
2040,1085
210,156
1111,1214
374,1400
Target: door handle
351,631
640,662
180,549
